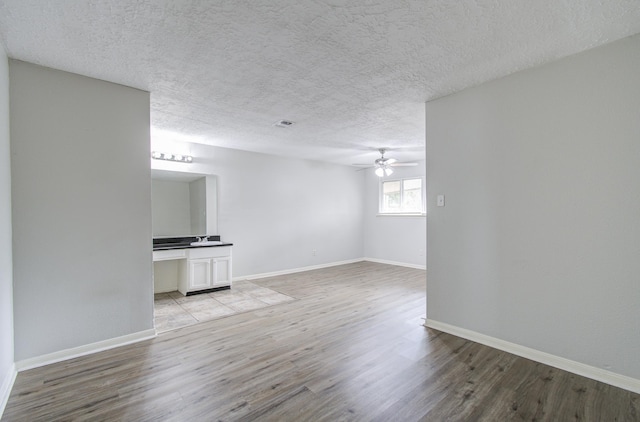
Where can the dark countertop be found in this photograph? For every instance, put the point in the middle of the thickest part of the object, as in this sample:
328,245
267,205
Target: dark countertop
167,243
187,246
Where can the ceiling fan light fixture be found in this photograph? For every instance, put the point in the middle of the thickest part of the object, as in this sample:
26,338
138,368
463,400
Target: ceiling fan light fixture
383,165
383,170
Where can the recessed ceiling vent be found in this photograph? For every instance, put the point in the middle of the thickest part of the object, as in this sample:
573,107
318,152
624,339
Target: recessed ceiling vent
283,123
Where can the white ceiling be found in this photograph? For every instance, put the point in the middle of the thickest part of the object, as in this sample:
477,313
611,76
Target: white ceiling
352,75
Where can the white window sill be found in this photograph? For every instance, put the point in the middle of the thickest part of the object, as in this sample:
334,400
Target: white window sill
399,214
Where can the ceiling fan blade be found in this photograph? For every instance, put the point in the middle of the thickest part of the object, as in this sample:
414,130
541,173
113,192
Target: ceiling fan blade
361,165
404,164
390,161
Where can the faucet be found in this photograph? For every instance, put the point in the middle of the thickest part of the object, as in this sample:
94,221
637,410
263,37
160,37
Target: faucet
205,239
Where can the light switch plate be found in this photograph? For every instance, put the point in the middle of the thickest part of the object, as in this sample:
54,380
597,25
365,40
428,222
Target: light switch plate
440,200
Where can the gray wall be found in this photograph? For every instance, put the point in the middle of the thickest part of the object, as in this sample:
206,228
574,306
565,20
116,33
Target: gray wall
198,206
278,210
6,273
171,208
539,241
81,200
399,239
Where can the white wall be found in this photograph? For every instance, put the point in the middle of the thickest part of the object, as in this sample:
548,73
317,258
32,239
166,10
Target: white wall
277,210
81,196
6,271
400,239
538,243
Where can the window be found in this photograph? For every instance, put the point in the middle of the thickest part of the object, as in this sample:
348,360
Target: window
402,196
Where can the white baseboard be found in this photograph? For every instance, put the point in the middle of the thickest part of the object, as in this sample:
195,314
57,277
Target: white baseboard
401,264
330,264
87,349
7,385
598,374
296,270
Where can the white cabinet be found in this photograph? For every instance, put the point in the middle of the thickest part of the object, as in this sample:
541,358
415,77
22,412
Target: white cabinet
169,255
221,271
199,274
204,269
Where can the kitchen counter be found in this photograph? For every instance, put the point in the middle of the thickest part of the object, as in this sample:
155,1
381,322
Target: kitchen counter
168,243
200,268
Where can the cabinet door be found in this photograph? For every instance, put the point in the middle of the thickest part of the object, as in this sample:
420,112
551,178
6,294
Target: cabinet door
199,274
221,271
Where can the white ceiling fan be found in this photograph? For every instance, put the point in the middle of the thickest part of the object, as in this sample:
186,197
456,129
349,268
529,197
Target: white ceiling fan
383,165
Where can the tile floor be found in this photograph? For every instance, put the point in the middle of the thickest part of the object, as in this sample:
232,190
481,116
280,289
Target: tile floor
173,310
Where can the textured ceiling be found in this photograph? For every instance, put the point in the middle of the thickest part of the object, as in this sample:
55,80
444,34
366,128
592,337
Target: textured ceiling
352,75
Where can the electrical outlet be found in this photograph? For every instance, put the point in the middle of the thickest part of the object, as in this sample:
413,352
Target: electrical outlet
313,252
420,252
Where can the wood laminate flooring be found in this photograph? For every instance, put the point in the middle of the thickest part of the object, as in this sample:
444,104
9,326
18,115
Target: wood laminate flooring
351,348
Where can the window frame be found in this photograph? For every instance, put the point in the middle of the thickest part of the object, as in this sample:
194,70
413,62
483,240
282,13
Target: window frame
401,213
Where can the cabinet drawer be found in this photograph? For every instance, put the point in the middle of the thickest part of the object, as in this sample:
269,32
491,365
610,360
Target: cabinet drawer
212,252
169,254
